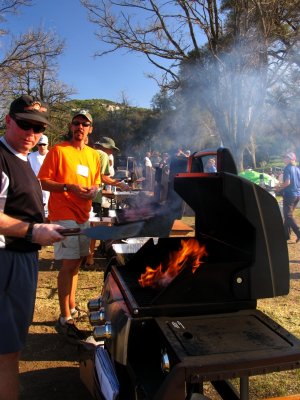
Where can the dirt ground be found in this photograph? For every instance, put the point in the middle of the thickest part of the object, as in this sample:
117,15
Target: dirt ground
49,367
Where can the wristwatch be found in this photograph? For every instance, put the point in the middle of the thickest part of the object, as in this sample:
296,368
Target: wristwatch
28,235
65,187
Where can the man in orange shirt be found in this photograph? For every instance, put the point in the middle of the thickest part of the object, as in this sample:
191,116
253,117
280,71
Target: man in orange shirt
71,173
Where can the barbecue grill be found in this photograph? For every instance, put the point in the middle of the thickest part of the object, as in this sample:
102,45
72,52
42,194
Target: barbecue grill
203,325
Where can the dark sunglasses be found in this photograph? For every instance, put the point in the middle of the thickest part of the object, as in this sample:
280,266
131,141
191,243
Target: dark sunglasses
42,144
84,124
26,126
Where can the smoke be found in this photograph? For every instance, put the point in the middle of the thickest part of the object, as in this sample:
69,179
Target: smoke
234,101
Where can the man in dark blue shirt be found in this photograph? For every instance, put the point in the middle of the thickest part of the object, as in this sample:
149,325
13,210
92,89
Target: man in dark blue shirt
290,188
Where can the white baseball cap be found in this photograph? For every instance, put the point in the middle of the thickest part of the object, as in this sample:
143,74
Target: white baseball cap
43,140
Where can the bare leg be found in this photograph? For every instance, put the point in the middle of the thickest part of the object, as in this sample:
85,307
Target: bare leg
9,376
90,258
72,300
67,285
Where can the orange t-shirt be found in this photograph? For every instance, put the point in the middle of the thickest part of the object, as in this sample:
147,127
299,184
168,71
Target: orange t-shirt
66,164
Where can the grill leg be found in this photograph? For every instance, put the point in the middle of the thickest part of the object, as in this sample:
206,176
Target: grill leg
244,388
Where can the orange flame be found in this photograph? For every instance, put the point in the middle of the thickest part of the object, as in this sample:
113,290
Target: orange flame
190,253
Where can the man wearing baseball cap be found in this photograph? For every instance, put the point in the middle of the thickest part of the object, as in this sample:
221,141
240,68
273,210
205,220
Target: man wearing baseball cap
36,159
290,189
22,232
71,173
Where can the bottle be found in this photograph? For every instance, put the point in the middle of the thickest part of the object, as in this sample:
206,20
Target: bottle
261,180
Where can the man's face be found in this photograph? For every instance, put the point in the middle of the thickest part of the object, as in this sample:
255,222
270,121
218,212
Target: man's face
81,128
107,151
23,135
43,148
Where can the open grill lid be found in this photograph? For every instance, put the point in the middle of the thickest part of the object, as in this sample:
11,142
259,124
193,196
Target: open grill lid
241,214
247,258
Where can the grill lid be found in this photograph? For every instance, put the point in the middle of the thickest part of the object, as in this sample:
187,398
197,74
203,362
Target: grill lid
243,215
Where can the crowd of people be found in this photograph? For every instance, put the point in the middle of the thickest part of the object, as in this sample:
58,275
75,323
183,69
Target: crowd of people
156,169
46,191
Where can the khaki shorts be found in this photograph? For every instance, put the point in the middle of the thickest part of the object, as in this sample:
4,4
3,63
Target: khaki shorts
72,247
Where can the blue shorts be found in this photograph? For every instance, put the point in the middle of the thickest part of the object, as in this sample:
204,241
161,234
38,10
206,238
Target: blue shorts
18,282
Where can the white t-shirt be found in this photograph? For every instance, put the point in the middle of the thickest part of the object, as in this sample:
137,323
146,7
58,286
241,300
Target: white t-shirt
36,160
147,162
111,165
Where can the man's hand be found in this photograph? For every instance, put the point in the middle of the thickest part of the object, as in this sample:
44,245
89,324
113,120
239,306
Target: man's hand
46,234
84,192
123,186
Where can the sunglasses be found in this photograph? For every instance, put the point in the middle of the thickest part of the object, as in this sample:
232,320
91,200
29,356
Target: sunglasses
84,124
26,126
42,144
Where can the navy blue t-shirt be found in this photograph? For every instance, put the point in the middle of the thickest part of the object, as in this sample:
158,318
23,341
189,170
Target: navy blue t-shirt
291,173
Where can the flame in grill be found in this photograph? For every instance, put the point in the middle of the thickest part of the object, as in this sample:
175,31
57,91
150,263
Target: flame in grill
190,253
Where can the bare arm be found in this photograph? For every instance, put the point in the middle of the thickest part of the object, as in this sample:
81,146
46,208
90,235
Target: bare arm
12,227
42,234
80,191
110,181
282,185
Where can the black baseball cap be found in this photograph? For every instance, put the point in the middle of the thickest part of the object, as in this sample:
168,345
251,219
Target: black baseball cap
28,107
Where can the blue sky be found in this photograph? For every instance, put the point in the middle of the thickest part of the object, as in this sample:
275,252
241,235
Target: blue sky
104,77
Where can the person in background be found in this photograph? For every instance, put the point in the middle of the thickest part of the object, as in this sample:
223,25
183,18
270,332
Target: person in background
36,159
180,152
290,189
155,159
22,233
161,178
210,165
111,161
148,172
108,145
165,171
107,179
71,172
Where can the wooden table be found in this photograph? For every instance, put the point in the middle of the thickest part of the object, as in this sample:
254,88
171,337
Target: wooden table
179,228
104,221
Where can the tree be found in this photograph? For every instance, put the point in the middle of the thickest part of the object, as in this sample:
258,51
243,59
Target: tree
10,7
30,65
227,52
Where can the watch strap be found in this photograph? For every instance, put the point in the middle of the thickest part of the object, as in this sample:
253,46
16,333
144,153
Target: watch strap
29,232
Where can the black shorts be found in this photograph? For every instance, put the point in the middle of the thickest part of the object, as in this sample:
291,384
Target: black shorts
18,282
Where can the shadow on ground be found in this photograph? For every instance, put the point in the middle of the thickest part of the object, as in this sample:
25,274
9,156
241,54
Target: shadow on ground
66,384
